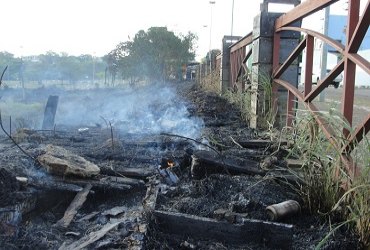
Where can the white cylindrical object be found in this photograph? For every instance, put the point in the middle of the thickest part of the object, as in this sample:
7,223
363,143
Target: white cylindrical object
283,209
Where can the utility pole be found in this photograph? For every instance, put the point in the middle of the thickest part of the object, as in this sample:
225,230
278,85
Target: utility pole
210,39
324,52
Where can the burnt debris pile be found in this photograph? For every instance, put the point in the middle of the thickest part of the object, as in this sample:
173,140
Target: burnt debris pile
149,168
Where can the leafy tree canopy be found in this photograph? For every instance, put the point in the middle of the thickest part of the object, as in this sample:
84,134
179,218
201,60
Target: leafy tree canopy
157,54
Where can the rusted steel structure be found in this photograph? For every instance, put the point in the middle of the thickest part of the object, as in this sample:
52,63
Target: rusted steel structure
236,75
239,72
357,27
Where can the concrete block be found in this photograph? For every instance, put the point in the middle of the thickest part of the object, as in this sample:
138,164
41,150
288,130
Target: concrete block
291,75
264,26
262,50
287,46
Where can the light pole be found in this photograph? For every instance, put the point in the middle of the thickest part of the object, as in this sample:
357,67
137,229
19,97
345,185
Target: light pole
210,39
232,18
93,73
324,52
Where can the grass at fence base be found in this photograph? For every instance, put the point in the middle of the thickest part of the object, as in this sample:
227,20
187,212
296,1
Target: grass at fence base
325,175
211,82
323,170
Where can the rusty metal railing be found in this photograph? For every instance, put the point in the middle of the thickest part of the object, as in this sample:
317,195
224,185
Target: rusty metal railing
356,29
238,63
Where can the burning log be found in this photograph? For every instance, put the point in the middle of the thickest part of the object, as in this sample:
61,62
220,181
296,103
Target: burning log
75,205
59,161
206,162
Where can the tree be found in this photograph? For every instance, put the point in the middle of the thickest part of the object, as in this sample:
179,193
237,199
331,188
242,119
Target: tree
157,54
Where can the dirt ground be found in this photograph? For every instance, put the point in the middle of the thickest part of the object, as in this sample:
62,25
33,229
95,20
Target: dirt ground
123,153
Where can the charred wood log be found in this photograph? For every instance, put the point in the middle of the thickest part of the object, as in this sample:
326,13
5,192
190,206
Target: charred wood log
275,235
141,173
73,208
206,162
96,183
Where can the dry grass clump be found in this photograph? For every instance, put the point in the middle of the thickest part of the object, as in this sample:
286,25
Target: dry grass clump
331,190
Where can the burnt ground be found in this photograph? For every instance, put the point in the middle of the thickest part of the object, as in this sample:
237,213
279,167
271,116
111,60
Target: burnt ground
29,212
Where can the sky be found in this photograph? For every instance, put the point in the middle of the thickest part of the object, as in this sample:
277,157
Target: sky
31,27
95,27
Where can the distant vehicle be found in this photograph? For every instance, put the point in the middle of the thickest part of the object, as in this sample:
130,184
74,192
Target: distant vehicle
335,83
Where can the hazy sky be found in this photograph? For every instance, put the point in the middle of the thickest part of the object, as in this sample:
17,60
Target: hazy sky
31,27
96,26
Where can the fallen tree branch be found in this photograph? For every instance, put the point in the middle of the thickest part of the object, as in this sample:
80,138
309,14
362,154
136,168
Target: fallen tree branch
2,75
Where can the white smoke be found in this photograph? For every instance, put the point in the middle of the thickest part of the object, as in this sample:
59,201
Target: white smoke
152,109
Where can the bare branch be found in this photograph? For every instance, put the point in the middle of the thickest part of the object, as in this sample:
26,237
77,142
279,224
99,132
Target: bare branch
2,75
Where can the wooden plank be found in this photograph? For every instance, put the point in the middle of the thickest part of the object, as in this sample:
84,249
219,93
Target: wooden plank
266,233
73,208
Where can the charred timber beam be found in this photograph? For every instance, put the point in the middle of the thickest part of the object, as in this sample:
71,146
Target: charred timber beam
206,162
267,233
73,208
105,185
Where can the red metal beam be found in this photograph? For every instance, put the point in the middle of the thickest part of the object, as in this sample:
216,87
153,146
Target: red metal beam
348,91
312,108
333,43
309,64
327,130
276,51
244,61
360,30
357,136
291,58
245,41
353,16
359,60
301,11
350,66
325,82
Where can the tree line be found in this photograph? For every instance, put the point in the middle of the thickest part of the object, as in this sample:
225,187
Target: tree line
51,66
155,55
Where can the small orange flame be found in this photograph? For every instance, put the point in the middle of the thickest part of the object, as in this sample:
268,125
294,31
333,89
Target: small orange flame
170,163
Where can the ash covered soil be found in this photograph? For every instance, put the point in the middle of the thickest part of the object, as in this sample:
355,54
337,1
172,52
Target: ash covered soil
132,135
